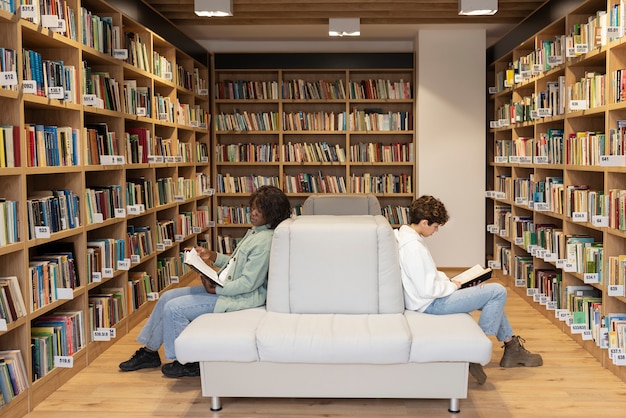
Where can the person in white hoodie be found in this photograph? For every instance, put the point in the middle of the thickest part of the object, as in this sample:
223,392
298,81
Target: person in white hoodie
430,291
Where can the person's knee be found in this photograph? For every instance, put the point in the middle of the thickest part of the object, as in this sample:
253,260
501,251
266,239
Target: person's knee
499,290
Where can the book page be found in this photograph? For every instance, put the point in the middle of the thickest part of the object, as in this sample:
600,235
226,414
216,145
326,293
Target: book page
469,274
193,260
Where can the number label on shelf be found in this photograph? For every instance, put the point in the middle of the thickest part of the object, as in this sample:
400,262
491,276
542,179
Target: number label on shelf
203,92
42,232
541,159
160,247
613,160
541,207
107,272
591,278
555,60
3,325
578,105
133,209
29,86
65,293
27,11
196,230
167,242
179,238
141,111
101,334
551,305
599,220
135,258
616,290
578,328
56,92
569,267
581,48
120,212
64,361
152,296
579,216
544,112
174,279
155,159
493,264
8,78
120,54
587,335
167,75
123,264
96,276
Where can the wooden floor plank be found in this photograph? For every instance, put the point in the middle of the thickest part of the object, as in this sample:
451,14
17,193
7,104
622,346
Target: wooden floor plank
571,383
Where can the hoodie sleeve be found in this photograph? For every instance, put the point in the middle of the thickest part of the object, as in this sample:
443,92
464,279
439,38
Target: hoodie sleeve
419,267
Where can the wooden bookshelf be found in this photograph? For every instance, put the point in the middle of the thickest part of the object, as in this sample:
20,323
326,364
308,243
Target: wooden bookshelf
310,130
177,120
564,187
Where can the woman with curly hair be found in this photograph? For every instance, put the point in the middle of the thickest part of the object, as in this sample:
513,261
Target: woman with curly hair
244,274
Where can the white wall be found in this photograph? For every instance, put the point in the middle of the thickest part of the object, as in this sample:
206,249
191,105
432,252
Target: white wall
451,147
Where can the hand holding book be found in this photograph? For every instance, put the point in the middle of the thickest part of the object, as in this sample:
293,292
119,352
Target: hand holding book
193,260
473,276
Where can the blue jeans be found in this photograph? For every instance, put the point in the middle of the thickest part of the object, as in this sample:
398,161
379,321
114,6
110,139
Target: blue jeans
174,310
489,298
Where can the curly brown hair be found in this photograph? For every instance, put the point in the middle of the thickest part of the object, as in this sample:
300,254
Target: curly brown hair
429,208
272,203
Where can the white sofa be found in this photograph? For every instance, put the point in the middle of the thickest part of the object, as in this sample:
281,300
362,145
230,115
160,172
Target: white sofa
334,325
341,204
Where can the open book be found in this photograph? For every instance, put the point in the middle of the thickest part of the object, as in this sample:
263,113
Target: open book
193,260
473,276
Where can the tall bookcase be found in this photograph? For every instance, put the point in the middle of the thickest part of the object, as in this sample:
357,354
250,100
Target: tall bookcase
130,148
312,123
558,173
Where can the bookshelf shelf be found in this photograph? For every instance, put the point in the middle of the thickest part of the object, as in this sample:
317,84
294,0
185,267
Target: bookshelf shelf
557,149
76,197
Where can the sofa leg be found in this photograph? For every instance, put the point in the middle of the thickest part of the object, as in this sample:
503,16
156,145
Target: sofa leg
216,405
454,406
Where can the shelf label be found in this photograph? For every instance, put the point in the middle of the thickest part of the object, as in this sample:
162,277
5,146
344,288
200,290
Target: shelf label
548,256
612,160
97,218
560,262
27,11
541,206
89,99
599,220
3,325
492,90
108,272
49,21
152,296
164,116
521,283
65,293
167,75
133,210
619,359
56,92
561,314
521,201
101,334
578,105
544,112
493,124
587,335
537,69
174,279
591,278
141,111
578,328
64,361
142,208
60,26
519,240
196,230
29,86
160,247
8,78
524,159
501,159
167,242
517,78
514,159
120,54
203,92
178,198
579,216
123,264
42,232
495,265
203,125
156,159
540,159
204,159
211,224
526,74
554,60
135,258
499,195
551,305
616,290
581,48
96,276
613,351
112,159
569,267
120,212
179,238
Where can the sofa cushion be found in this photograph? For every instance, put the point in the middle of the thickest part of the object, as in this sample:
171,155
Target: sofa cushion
324,264
341,204
455,337
332,339
229,336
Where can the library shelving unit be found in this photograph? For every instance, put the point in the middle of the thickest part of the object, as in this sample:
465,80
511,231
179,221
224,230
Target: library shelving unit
315,129
105,179
558,176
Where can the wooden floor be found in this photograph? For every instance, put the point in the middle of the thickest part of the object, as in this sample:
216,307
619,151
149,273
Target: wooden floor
571,383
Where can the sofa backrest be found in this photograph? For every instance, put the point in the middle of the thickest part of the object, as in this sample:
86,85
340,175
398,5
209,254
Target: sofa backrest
335,264
341,204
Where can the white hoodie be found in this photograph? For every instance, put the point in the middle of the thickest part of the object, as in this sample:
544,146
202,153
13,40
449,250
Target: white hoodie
421,280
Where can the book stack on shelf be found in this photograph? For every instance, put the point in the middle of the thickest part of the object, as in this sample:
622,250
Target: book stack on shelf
558,175
79,135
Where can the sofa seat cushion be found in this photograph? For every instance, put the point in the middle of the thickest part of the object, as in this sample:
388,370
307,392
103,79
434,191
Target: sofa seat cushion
229,336
333,338
455,337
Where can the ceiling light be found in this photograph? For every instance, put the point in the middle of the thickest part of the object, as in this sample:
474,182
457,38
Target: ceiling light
478,7
213,8
340,26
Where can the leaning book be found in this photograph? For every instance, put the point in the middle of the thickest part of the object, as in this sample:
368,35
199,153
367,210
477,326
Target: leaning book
473,276
193,260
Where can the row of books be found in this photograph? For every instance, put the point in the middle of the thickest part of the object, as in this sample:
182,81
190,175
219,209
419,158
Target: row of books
8,65
50,145
10,150
549,148
314,183
49,78
382,153
54,339
103,257
102,201
12,306
13,377
227,215
225,183
98,32
299,89
314,152
162,67
53,276
9,222
100,89
396,215
52,211
383,183
170,270
137,51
